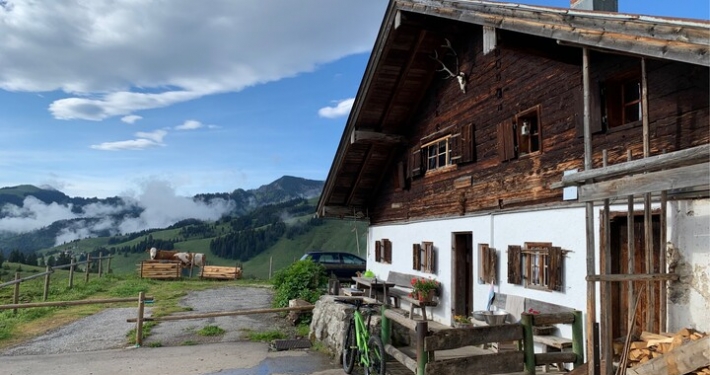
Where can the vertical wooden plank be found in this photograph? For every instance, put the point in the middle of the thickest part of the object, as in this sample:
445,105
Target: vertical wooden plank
514,264
578,338
662,266
108,264
416,254
71,272
88,265
388,250
101,261
16,293
45,293
415,161
422,356
589,211
139,320
555,262
631,249
378,251
528,345
607,336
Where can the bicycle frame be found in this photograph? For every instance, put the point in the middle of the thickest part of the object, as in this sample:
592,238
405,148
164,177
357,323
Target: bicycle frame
362,335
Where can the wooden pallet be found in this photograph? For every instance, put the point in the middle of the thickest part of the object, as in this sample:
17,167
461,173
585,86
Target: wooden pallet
221,272
155,269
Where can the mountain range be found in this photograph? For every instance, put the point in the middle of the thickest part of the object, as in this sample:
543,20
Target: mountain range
33,218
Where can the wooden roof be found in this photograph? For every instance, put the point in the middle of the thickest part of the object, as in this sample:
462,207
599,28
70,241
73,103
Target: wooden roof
400,70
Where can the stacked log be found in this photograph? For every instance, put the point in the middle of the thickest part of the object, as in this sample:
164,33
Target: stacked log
653,345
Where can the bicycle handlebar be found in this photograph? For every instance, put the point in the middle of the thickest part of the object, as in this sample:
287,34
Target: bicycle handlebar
357,302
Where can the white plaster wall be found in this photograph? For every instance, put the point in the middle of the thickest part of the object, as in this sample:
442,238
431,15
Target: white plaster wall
689,237
688,230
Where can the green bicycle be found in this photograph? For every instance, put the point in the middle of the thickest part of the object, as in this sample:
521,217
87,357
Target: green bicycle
359,344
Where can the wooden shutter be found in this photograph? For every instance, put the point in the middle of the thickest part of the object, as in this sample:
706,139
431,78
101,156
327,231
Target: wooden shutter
506,144
378,251
455,147
555,268
415,161
467,143
388,251
416,256
401,178
514,265
429,257
595,121
483,263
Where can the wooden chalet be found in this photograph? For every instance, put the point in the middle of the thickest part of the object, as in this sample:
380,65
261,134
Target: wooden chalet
560,155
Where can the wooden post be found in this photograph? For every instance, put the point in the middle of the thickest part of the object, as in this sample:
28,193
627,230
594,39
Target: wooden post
607,356
139,320
271,259
71,272
88,265
589,212
46,283
16,293
662,266
630,243
108,264
386,325
422,356
578,338
528,346
647,223
101,262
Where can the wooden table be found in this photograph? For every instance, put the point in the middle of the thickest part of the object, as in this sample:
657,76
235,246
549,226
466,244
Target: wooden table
373,285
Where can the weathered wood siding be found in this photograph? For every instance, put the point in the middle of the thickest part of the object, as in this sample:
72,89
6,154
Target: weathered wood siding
522,73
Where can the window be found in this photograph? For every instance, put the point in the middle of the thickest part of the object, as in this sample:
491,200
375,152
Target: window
424,257
537,264
521,136
352,259
622,100
383,251
487,264
453,145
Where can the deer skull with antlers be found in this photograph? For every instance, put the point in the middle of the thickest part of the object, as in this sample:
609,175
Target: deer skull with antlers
460,76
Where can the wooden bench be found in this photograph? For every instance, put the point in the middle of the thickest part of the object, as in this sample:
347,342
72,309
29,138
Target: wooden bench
557,343
401,291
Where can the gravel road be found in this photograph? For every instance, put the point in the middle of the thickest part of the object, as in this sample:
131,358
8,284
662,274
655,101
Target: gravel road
97,345
108,329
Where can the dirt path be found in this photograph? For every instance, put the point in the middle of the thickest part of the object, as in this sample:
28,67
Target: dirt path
108,329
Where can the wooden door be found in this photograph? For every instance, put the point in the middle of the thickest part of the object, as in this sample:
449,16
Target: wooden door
462,274
619,265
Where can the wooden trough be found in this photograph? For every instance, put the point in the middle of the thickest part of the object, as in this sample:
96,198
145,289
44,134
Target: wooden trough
160,269
221,272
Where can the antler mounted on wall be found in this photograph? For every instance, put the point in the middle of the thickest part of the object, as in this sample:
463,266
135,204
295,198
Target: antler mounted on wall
460,76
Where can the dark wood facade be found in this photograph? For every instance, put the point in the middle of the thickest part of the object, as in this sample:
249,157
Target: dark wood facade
535,69
525,73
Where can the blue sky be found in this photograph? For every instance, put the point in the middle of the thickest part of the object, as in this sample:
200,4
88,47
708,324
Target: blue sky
104,98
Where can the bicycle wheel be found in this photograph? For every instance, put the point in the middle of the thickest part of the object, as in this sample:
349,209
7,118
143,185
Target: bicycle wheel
378,359
349,349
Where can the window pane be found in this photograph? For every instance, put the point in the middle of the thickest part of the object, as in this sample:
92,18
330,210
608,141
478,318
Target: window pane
632,112
632,92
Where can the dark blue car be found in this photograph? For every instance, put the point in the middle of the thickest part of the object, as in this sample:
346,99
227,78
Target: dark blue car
339,264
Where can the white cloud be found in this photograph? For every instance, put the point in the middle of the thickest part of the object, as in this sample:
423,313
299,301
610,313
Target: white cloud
189,125
161,207
130,119
119,57
145,140
341,109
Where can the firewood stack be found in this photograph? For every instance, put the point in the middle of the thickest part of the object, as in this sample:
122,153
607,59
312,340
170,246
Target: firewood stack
654,345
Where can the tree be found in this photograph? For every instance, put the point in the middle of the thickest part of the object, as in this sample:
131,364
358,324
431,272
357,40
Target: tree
2,258
31,259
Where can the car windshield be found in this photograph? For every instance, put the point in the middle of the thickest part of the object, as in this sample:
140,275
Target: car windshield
352,259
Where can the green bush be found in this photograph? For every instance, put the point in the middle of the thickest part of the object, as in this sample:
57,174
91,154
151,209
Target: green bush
303,279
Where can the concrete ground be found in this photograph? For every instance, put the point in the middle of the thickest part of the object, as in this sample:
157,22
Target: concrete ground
233,358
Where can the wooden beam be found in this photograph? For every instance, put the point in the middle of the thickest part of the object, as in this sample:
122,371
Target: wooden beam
497,363
369,136
554,357
402,320
342,211
401,358
681,360
459,337
634,277
698,154
678,178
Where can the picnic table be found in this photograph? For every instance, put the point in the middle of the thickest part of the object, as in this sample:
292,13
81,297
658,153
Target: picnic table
373,285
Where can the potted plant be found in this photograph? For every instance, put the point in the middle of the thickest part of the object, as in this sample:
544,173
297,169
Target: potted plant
461,321
423,288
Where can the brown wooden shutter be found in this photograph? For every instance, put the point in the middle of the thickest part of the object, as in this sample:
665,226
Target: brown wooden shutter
514,265
506,144
455,147
415,161
429,256
378,251
492,265
467,144
416,256
388,251
595,121
401,176
555,268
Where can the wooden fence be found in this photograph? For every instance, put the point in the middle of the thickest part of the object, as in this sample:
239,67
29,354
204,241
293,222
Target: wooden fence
427,342
50,270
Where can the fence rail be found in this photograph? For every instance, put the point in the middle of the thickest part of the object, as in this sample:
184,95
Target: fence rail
50,270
